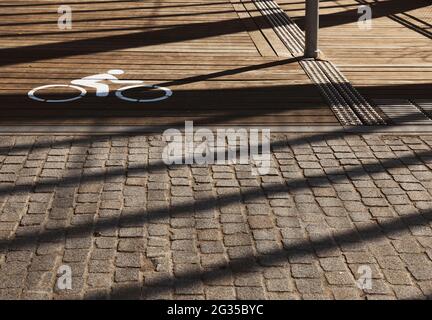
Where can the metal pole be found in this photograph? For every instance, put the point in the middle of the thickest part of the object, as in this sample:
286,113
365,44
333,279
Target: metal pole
312,26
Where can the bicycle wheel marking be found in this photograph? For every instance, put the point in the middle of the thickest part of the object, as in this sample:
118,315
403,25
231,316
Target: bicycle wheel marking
119,93
82,92
31,93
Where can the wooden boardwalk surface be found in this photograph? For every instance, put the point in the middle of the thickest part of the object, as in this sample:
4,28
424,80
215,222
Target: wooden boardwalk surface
392,60
223,63
222,60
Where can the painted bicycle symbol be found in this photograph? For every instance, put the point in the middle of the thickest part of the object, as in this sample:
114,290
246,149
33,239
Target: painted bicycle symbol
102,89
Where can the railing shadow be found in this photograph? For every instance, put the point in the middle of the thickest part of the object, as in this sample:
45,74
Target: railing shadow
293,185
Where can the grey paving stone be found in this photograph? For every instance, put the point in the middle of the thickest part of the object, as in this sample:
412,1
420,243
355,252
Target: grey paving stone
308,286
421,271
280,285
341,278
344,293
305,271
99,280
196,231
407,292
379,287
189,287
126,274
250,293
220,293
128,260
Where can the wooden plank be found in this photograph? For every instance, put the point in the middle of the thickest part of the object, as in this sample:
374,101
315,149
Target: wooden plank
266,29
261,43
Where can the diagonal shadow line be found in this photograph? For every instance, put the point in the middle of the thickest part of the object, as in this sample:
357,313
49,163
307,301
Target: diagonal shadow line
74,31
88,138
419,20
58,234
153,215
411,26
379,9
147,8
118,9
48,3
174,34
213,75
150,17
227,72
243,103
322,7
49,183
116,42
302,248
397,18
185,80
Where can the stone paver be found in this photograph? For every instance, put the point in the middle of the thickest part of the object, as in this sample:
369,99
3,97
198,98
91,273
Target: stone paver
128,226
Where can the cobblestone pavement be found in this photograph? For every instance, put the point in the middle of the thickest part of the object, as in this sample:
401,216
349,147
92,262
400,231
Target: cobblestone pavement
130,227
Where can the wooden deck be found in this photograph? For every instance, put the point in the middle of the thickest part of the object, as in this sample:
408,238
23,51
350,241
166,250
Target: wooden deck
223,63
392,60
222,60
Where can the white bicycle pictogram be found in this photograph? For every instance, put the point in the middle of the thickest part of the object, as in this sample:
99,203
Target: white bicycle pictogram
102,89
